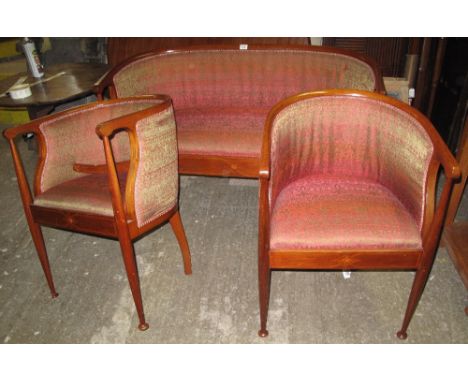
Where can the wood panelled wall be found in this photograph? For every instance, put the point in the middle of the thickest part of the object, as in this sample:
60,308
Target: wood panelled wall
120,48
389,52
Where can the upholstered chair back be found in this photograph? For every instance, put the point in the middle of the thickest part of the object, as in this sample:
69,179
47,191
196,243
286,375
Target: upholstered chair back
223,78
71,138
351,138
156,182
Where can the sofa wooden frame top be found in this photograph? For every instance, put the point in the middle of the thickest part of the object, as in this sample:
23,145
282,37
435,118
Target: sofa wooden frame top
226,165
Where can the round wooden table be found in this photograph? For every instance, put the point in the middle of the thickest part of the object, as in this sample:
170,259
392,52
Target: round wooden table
76,82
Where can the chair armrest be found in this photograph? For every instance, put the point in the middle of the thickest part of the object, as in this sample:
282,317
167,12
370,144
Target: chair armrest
12,132
109,128
448,162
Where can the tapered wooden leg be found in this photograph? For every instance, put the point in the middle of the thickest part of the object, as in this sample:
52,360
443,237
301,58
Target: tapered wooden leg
128,255
264,278
419,283
178,228
34,228
38,240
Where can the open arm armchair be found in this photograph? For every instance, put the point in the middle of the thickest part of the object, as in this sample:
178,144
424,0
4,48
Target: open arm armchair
120,185
348,182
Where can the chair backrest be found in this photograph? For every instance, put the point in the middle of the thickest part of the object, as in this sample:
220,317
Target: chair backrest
350,135
154,183
70,137
257,77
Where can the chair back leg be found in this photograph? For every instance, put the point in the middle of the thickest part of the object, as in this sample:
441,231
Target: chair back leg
179,232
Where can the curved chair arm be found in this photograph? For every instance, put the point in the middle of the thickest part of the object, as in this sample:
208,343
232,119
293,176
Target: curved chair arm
446,159
128,121
10,134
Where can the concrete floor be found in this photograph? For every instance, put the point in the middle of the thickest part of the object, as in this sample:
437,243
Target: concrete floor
218,303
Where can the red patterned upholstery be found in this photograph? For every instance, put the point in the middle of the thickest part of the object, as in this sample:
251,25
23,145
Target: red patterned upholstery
221,96
243,78
351,137
330,212
200,131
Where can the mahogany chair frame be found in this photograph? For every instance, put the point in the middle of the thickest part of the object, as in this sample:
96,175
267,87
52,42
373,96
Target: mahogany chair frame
123,225
357,259
224,165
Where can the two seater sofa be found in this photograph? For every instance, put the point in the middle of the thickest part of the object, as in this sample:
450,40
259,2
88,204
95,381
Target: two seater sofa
222,94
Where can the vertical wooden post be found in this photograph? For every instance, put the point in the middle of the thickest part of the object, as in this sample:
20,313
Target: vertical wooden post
441,47
422,73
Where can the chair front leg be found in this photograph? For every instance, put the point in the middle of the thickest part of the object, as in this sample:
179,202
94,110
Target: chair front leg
131,268
34,228
264,271
417,289
264,281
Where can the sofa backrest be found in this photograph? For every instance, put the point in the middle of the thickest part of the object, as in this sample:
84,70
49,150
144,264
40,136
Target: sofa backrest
256,77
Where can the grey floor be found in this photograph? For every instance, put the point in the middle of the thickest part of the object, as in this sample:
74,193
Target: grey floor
218,303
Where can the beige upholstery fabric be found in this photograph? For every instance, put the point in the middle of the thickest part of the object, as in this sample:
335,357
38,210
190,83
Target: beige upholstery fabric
157,181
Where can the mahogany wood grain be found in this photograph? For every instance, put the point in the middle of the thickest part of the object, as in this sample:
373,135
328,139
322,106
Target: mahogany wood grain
34,227
264,268
214,165
178,228
350,260
75,221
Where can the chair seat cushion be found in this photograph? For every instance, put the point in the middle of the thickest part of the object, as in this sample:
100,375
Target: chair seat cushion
227,132
327,213
89,194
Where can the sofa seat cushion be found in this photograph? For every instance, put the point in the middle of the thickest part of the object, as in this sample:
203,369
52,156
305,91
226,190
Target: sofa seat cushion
326,213
88,194
227,131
